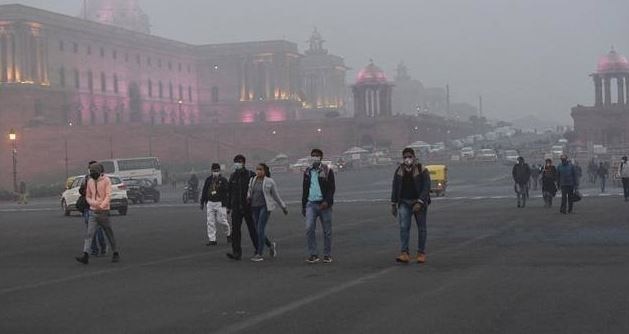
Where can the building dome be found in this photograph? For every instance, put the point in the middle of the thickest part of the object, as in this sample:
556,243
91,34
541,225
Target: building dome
613,62
371,74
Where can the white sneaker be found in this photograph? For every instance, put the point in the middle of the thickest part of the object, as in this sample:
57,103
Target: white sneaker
257,258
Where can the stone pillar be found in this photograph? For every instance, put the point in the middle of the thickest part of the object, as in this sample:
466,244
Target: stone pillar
3,55
608,91
598,90
626,89
621,89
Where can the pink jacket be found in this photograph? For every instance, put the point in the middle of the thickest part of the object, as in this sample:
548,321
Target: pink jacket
98,193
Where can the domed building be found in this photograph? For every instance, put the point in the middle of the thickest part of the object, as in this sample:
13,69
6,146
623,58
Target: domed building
607,122
372,93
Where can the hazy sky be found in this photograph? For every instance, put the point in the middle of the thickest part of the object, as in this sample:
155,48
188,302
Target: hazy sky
523,56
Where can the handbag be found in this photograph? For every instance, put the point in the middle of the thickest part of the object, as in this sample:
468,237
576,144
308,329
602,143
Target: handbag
81,204
576,196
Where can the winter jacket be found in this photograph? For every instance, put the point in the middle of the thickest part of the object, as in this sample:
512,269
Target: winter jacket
269,189
623,170
549,179
421,178
222,191
326,183
238,187
521,173
567,175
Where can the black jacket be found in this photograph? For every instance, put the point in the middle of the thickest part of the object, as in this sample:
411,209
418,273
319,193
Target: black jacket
421,178
550,177
521,173
222,191
238,187
326,182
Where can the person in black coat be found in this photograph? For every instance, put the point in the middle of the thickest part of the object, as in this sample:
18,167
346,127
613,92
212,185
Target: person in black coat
521,175
214,197
549,183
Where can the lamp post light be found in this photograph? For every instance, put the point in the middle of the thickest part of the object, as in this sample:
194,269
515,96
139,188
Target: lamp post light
319,133
180,102
13,139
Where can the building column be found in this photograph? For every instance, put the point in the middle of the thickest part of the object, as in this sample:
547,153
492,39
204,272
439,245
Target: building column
3,55
626,78
598,90
621,89
608,91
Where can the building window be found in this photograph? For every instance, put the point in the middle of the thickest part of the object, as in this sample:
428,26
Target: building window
214,94
89,50
116,84
161,90
77,79
103,82
61,46
190,93
115,54
106,117
170,91
62,76
75,47
90,81
150,88
180,92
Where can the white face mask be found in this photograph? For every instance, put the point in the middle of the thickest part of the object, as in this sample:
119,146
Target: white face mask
408,161
216,174
316,161
237,165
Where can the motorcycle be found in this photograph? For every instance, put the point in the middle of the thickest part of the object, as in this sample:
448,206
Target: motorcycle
190,194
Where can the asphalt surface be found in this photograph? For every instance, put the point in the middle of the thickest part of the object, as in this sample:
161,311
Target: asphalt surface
492,268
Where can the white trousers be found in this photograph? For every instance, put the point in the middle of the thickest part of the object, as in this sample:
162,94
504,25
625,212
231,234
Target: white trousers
216,213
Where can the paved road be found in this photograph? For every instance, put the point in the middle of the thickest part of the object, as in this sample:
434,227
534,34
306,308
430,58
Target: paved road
491,269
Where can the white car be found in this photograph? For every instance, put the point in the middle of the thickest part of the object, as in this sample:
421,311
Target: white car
119,200
467,153
557,151
511,156
487,154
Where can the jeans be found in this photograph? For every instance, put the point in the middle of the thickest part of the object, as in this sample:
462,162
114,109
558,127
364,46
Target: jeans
522,190
548,199
313,211
99,220
566,196
99,237
625,187
404,217
603,182
260,218
237,217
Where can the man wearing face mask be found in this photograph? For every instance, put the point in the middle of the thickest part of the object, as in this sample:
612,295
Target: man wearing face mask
239,208
410,197
521,176
214,199
99,238
568,183
98,196
317,201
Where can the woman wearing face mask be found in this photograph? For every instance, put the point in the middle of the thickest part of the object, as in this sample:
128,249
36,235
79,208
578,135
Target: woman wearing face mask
263,195
549,183
410,197
214,197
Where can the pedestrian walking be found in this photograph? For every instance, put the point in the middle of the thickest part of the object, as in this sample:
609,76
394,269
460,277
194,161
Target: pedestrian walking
98,196
549,183
240,209
98,246
521,176
214,200
602,172
317,200
410,198
568,183
535,172
263,195
623,174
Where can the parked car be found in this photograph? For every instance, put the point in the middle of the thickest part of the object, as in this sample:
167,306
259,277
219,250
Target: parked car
119,199
487,154
300,165
142,190
279,164
557,151
467,153
511,156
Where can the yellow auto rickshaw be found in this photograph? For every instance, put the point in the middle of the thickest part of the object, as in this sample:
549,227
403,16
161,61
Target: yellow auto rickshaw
438,179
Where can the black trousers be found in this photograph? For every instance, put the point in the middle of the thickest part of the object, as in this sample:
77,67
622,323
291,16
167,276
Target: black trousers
566,196
625,186
237,218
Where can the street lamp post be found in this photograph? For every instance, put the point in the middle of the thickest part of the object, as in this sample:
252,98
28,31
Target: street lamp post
13,139
319,133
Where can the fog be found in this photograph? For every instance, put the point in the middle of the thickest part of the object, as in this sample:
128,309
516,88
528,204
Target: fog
523,56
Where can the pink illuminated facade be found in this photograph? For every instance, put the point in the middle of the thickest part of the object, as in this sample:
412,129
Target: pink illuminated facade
372,93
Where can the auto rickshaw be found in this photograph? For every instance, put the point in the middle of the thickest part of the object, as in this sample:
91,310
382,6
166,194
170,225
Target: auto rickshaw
438,179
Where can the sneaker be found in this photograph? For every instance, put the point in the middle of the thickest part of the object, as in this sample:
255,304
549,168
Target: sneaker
233,256
313,259
212,243
229,239
85,258
327,259
273,249
115,258
257,258
403,258
421,257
